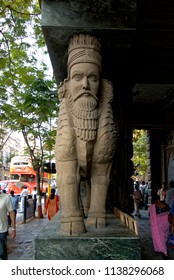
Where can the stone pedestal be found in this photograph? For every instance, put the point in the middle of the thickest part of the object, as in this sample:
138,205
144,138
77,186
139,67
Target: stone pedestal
114,242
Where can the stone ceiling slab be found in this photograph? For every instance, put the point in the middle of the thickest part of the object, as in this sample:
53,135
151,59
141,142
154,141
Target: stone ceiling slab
113,22
137,38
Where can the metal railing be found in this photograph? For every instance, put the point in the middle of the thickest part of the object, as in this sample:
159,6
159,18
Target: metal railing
29,208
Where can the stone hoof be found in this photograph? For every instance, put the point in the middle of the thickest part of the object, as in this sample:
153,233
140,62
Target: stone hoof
72,228
96,222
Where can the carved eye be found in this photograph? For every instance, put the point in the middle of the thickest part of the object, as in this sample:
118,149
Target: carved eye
77,77
93,78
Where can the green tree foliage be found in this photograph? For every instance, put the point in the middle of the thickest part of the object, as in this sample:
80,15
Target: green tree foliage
28,96
139,159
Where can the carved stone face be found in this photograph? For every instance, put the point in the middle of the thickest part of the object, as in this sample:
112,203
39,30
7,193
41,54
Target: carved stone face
84,81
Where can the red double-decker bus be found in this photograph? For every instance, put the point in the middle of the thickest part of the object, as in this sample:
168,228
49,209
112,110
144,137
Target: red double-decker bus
21,170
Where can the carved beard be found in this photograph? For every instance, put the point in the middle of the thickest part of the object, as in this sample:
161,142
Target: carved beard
86,103
85,117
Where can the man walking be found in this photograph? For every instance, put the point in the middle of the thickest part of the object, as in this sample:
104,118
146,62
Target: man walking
5,207
15,201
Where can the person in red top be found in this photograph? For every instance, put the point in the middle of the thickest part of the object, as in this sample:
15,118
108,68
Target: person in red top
51,205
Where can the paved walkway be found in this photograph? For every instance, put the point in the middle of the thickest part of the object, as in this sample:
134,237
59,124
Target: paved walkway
21,248
147,250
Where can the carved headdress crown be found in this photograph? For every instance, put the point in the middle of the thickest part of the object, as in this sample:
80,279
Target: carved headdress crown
84,48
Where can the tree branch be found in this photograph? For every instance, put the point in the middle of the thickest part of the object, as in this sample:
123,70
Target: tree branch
12,9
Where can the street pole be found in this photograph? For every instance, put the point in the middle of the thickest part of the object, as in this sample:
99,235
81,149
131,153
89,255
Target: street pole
49,187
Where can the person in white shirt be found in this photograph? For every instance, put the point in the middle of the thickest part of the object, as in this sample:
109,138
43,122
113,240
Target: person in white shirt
34,193
34,198
24,193
162,192
5,207
57,191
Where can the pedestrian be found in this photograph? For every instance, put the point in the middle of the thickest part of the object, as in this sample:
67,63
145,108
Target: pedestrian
15,203
5,207
170,194
146,195
56,191
142,188
51,205
162,192
8,214
136,183
137,196
24,193
160,226
34,198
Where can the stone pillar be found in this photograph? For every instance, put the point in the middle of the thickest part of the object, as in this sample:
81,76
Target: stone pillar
114,23
149,170
155,168
104,20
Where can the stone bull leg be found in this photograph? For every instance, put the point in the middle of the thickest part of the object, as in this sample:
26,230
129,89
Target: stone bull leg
85,195
99,187
72,222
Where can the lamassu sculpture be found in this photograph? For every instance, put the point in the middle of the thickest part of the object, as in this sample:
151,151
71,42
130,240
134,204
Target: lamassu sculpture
86,137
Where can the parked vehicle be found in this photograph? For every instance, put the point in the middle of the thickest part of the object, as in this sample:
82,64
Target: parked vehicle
6,183
21,169
18,187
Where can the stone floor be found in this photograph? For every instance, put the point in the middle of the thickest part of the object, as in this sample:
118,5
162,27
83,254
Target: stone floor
147,250
22,247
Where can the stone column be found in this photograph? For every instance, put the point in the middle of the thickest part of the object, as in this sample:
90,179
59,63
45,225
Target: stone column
149,170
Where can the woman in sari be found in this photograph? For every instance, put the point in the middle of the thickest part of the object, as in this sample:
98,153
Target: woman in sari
159,225
51,205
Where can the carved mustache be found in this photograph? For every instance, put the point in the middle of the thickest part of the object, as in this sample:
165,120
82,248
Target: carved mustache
86,92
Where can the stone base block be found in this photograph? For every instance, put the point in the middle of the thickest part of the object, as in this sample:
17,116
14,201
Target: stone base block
114,242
